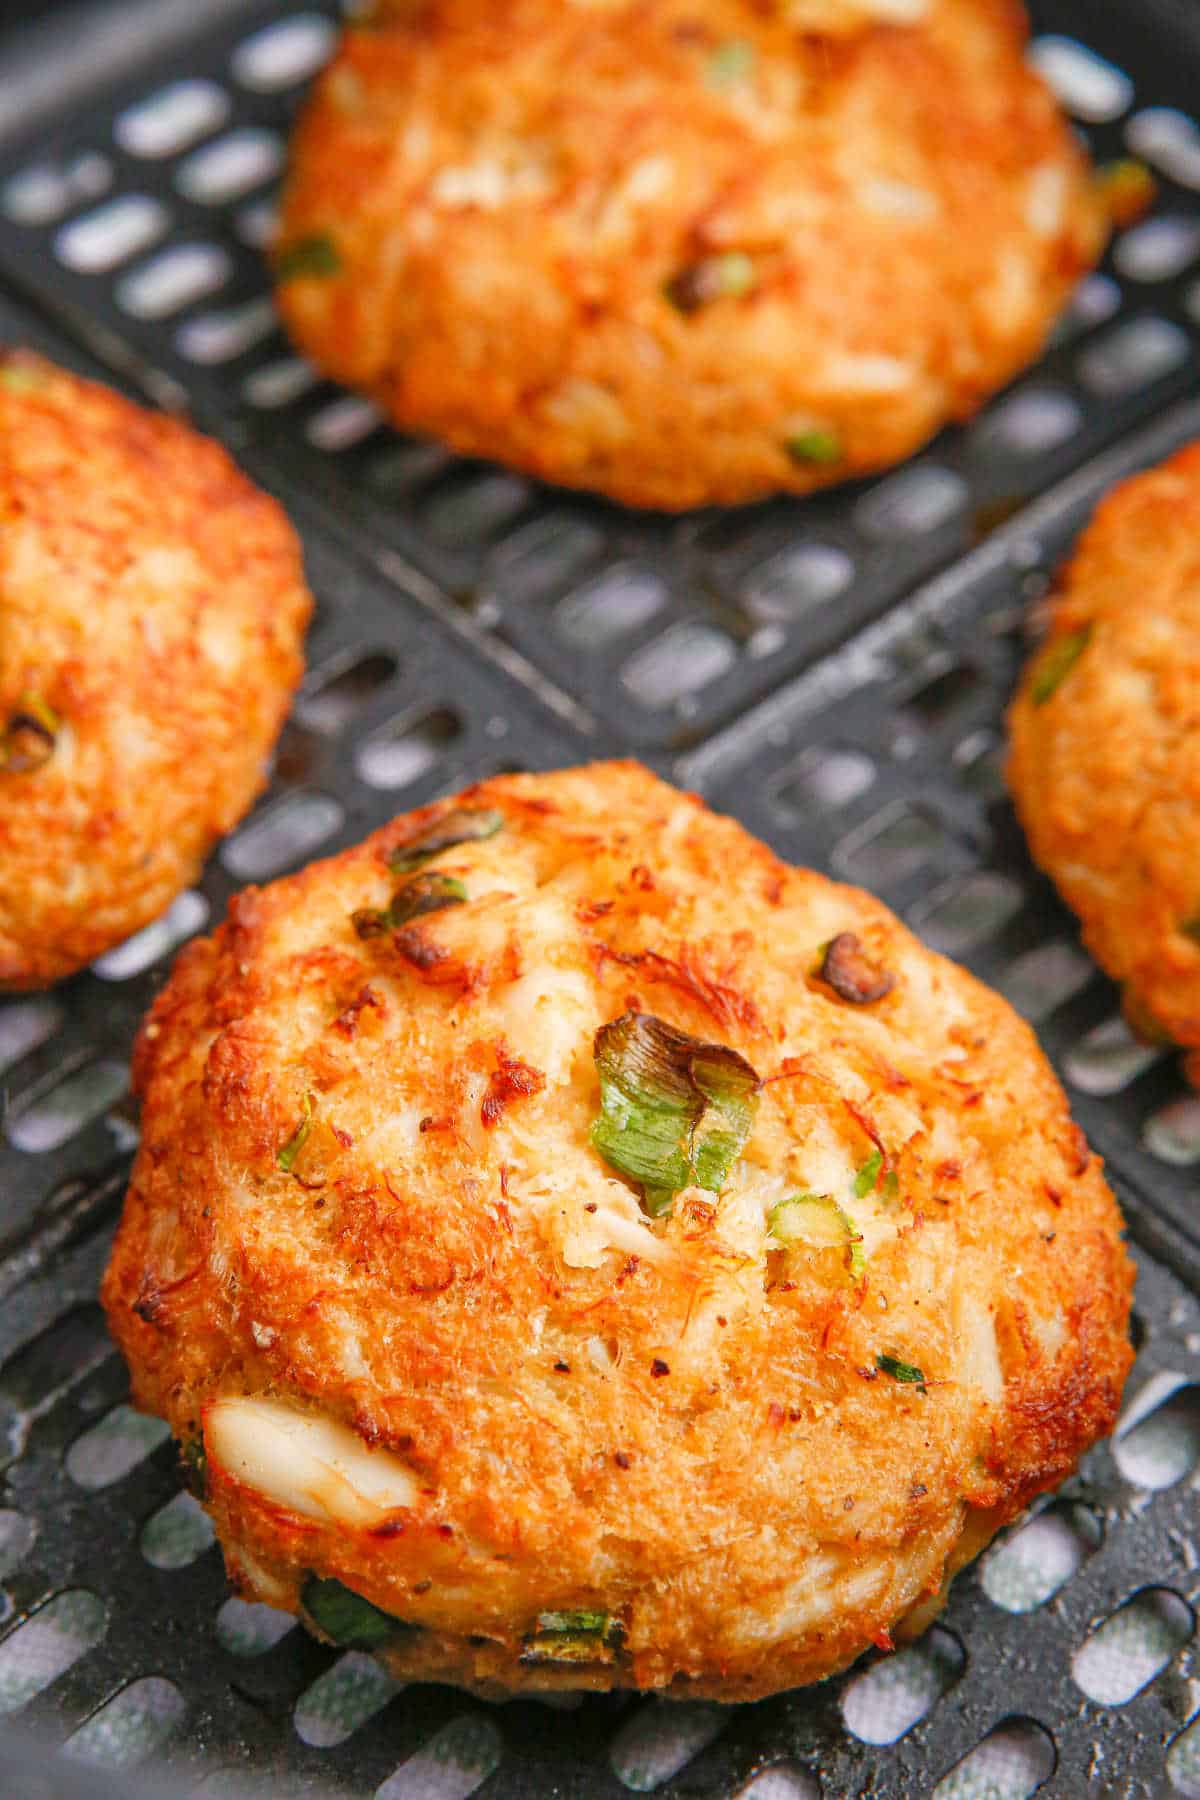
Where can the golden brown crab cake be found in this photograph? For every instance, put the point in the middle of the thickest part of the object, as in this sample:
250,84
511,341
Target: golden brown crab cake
1104,760
590,1252
686,251
152,611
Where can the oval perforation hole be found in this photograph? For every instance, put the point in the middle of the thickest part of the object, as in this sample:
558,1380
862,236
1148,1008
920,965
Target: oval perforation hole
1133,1646
1011,1763
967,911
343,423
1159,249
1133,355
1160,1444
342,1699
1173,1132
1041,980
179,1532
914,502
175,279
1030,423
821,780
44,192
232,167
100,240
285,834
25,1025
1107,1058
897,843
621,600
547,553
48,1643
797,581
469,510
248,1628
405,749
46,1120
17,1537
661,1739
456,1760
219,337
687,658
106,1452
1169,139
184,917
172,119
782,1781
882,1705
336,695
1035,1561
281,55
1089,87
135,1724
279,383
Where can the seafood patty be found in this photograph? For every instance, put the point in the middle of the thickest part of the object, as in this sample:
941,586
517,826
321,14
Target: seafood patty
577,1249
1104,759
152,610
682,251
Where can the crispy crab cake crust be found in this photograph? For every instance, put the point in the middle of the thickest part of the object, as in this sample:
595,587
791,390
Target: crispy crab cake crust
152,609
644,248
1104,760
675,1421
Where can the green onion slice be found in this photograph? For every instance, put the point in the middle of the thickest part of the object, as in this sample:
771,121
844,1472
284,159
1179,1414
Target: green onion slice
465,825
905,1372
821,445
1055,664
817,1221
427,893
573,1637
674,1112
346,1617
287,1154
316,255
730,276
868,1175
730,62
30,736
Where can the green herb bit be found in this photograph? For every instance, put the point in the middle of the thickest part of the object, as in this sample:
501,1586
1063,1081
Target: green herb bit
730,62
905,1372
1055,664
573,1637
193,1464
728,277
288,1153
315,255
346,1617
30,736
674,1112
465,825
868,1175
21,377
817,1221
821,445
425,894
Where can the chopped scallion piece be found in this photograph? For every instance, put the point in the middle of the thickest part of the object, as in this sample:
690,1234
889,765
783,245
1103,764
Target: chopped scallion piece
728,277
20,377
1127,190
316,255
817,1221
427,893
1055,664
465,825
346,1617
868,1175
819,445
573,1637
731,61
905,1372
674,1112
288,1153
30,736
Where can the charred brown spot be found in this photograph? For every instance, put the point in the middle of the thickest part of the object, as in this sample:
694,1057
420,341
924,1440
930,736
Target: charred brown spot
659,1368
588,911
950,1170
419,950
850,972
622,1459
26,743
347,1021
512,1080
686,973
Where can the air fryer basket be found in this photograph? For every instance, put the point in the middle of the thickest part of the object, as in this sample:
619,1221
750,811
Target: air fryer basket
834,672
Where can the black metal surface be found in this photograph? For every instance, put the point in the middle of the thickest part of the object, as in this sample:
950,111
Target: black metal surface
471,582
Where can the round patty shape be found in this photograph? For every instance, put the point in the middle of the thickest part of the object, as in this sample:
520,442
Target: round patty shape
682,251
152,609
591,1252
1104,760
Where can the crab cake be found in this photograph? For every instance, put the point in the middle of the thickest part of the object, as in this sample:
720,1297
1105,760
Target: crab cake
581,1250
682,251
1104,761
152,609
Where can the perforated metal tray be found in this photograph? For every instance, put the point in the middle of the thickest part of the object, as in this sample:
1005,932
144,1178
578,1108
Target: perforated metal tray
833,672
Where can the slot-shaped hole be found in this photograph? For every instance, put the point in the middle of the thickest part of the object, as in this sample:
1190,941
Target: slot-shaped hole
248,1628
403,463
100,240
782,1781
931,704
1133,355
1159,249
547,553
662,1738
342,1699
286,834
25,1025
338,695
405,749
967,911
1039,981
1169,139
258,224
623,599
219,337
176,1534
882,1705
44,192
797,581
186,915
912,503
279,383
475,508
1183,1762
1160,1444
51,1117
456,1760
17,1537
896,844
1173,1132
107,1451
279,56
232,167
821,781
55,1359
345,422
1096,298
678,664
48,1643
1032,1563
1011,1763
135,1724
172,119
1031,422
1090,88
978,762
177,278
1108,1057
1133,1646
